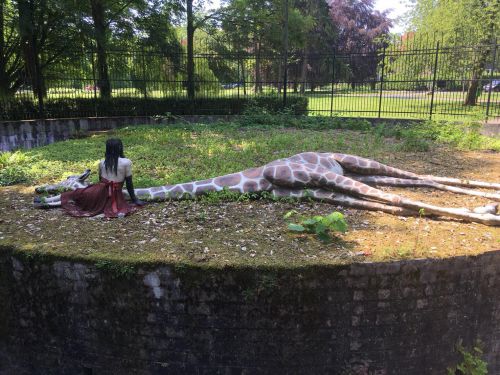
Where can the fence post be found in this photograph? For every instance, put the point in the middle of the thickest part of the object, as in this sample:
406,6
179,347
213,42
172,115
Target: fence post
493,64
285,59
238,81
434,80
333,84
144,73
39,91
94,83
381,83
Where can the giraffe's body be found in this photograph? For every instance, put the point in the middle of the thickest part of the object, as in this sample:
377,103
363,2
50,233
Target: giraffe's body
336,178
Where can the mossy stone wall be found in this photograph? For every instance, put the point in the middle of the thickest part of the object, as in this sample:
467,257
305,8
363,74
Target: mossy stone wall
69,317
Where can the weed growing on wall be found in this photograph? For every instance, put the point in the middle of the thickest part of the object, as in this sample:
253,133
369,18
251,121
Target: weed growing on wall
472,363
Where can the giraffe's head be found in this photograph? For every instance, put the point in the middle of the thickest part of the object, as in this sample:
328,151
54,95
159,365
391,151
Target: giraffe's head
71,183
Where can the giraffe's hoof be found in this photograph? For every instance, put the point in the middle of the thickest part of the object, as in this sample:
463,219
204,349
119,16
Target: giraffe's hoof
39,203
491,208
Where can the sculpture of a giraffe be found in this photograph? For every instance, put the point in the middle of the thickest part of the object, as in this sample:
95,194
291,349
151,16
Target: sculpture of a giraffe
330,177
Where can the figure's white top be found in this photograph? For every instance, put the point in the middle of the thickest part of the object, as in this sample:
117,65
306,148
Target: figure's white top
124,170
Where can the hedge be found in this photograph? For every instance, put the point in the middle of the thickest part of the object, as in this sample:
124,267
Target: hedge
130,106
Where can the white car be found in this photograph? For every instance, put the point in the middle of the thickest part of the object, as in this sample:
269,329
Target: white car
495,85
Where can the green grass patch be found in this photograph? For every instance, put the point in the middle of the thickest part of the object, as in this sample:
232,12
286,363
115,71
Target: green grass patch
179,153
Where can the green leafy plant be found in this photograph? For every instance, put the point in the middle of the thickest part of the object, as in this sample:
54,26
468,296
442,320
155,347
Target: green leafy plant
472,364
116,269
319,225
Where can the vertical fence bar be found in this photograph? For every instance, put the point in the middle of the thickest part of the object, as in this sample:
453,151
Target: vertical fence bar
145,93
39,91
434,80
333,84
285,58
239,79
381,84
493,64
94,83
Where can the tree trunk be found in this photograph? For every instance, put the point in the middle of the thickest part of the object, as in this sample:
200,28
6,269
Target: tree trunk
4,84
303,72
30,48
190,50
101,38
471,97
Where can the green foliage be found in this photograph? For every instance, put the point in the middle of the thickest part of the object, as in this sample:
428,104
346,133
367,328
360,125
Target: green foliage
319,225
264,286
420,136
472,363
137,106
11,168
12,176
116,269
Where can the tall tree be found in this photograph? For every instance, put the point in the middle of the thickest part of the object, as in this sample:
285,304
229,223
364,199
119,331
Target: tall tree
195,19
11,63
44,27
251,22
317,38
100,21
462,22
360,28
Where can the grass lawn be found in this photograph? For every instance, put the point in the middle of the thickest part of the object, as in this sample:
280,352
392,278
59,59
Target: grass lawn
219,232
362,102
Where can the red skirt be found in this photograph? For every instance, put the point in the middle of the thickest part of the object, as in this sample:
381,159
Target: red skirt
105,197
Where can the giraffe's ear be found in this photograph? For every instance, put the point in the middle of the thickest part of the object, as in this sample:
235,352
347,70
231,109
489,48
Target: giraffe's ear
84,175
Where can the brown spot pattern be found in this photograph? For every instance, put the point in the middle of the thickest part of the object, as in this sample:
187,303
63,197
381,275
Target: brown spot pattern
264,184
203,182
283,173
310,157
325,163
229,180
159,195
250,186
300,175
204,188
253,172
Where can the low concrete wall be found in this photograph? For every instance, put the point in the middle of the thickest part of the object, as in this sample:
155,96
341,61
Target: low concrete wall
33,133
64,317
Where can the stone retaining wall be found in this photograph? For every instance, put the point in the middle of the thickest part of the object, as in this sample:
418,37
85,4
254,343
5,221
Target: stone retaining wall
33,133
64,317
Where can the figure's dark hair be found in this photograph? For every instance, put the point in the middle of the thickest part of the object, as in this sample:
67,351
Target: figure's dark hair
114,150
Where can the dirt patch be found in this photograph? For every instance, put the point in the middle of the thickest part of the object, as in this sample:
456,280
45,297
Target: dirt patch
254,232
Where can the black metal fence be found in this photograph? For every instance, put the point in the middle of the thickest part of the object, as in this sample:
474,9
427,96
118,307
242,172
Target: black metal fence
403,80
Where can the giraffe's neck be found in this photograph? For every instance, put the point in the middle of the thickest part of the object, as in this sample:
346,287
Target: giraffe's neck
249,180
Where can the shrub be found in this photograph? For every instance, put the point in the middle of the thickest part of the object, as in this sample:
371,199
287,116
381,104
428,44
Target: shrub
135,106
13,175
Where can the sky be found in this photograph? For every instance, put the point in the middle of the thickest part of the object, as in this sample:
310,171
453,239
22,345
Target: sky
398,8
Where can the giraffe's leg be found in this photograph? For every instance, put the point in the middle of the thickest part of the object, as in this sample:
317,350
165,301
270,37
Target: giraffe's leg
301,177
343,200
406,182
365,166
345,184
48,202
